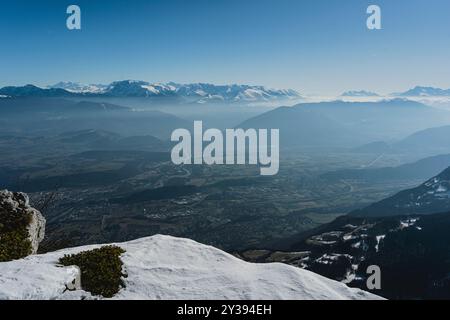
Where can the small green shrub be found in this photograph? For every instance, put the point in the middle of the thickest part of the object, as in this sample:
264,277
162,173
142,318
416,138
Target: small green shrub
14,237
101,269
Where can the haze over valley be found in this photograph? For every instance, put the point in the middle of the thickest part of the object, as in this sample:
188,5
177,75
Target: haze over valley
96,161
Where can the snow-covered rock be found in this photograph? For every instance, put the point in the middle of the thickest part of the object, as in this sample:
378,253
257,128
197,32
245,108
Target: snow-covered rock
17,203
163,267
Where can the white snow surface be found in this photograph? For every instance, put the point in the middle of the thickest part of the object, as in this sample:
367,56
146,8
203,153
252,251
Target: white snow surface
164,267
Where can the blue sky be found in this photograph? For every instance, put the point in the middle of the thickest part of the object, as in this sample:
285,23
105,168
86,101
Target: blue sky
314,46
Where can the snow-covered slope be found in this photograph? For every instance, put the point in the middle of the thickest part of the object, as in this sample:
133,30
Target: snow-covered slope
78,87
195,92
163,267
200,92
425,92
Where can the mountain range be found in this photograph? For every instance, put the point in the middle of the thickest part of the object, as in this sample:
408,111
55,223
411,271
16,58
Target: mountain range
79,87
423,143
58,115
198,92
347,124
433,196
422,169
360,93
420,91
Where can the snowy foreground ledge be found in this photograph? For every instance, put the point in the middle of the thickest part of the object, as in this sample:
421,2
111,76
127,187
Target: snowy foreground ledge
163,267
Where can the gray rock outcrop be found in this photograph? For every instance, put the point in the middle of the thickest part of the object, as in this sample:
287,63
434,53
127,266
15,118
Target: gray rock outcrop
14,210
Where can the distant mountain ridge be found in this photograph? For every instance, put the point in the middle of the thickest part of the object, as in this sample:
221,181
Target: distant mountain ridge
422,169
204,92
197,92
417,91
57,115
30,90
420,91
360,93
78,87
344,124
423,143
433,196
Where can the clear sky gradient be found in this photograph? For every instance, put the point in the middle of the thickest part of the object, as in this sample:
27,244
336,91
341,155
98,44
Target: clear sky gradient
314,46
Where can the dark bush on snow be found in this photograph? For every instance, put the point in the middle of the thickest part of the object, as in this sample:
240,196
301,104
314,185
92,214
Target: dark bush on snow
101,269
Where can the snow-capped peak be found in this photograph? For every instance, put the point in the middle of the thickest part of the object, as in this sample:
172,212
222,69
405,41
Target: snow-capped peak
420,91
76,87
195,92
